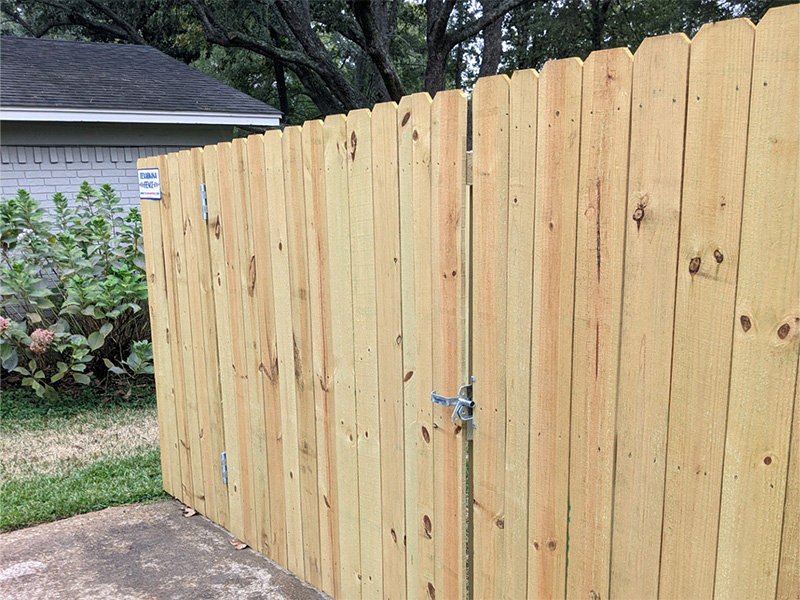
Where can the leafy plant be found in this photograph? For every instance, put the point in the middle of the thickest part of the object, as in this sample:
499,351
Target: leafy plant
73,288
139,361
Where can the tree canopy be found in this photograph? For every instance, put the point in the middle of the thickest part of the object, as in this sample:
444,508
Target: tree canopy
313,58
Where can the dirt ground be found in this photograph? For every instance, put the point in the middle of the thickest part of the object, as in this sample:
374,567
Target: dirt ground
138,552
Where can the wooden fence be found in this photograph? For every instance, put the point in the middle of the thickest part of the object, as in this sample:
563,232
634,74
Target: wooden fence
621,274
301,328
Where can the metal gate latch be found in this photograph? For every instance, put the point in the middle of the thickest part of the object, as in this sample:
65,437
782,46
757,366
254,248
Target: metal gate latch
463,403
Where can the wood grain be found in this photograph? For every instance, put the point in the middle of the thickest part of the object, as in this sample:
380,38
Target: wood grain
365,325
713,178
519,281
600,245
341,291
557,160
276,206
490,260
449,366
219,279
273,530
764,359
321,326
655,175
159,327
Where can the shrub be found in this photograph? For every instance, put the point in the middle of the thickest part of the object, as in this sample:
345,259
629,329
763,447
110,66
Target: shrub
73,289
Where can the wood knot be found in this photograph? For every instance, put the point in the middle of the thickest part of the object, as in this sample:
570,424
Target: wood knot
457,430
718,256
415,135
551,545
426,435
783,331
694,265
431,591
408,376
406,117
500,524
535,545
427,526
353,144
638,215
746,323
767,460
394,535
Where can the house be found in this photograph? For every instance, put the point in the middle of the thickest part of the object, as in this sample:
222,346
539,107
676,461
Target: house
83,111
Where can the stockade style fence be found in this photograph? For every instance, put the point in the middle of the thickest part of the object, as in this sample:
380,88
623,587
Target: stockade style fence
619,269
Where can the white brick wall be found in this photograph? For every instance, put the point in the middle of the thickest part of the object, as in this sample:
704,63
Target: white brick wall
45,170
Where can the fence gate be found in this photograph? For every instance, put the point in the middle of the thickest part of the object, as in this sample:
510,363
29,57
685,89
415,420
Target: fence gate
620,275
308,292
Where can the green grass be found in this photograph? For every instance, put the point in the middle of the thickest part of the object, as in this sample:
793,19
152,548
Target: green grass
102,484
91,449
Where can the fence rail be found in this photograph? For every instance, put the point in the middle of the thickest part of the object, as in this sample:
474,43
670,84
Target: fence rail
621,275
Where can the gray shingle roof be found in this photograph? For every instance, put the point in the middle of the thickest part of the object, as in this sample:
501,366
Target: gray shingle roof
66,74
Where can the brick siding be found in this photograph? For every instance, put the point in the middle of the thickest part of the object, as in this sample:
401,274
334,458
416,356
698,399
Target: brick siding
45,170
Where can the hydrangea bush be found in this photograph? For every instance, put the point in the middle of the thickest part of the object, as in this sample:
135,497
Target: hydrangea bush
72,290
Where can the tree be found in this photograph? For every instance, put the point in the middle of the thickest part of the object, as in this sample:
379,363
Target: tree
541,32
314,58
345,53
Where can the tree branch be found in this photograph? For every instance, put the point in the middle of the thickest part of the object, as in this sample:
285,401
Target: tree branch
438,14
377,48
297,15
71,17
216,33
133,34
472,28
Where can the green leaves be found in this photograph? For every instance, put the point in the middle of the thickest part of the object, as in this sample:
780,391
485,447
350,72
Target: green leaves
81,378
139,361
96,340
8,356
80,279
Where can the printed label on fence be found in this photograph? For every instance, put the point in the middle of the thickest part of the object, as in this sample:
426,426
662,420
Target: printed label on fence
149,184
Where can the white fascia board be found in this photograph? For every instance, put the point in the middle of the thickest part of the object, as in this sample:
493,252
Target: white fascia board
80,115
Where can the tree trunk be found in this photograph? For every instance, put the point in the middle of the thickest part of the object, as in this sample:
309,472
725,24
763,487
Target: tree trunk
280,83
492,44
598,17
318,91
376,28
435,70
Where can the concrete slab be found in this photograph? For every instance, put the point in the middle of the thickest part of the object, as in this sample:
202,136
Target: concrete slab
138,552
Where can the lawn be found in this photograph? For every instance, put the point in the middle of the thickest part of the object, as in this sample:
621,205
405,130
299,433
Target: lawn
91,449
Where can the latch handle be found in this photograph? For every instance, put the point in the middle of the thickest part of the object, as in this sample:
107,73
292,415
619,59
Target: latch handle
463,403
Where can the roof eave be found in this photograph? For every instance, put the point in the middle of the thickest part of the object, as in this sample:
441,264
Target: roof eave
83,115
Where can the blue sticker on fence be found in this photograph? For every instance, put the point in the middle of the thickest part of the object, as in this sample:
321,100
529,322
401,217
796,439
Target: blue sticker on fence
149,184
